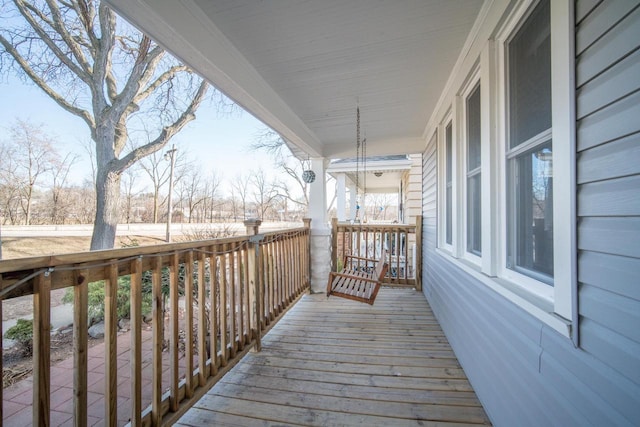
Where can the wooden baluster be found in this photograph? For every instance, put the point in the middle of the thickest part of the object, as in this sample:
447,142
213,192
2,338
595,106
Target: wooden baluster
80,346
279,266
246,283
398,254
173,331
188,317
1,357
271,276
202,322
366,244
239,287
110,342
157,323
418,261
253,279
41,349
223,307
215,311
334,244
232,303
263,299
405,251
298,261
136,342
287,269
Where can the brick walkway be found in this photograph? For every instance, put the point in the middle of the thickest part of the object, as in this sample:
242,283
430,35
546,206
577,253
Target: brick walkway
18,398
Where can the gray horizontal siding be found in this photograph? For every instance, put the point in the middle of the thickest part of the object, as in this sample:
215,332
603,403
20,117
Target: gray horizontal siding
618,82
609,48
608,199
524,372
613,122
613,197
613,160
608,169
617,235
614,273
600,20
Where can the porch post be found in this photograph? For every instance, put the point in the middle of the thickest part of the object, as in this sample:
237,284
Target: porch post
353,195
320,231
341,196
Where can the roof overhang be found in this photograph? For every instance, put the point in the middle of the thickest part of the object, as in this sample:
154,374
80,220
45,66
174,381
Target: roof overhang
302,66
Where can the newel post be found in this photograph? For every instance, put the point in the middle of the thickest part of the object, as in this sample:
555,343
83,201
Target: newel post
307,225
334,244
253,226
418,260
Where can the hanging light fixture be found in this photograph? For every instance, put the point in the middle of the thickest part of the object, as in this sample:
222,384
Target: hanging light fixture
308,176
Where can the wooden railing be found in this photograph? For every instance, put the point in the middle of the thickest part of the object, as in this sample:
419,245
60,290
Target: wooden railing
403,243
233,290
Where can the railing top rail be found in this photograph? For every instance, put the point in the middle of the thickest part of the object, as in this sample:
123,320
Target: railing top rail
348,225
48,261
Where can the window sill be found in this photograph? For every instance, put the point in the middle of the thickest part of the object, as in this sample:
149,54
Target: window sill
535,305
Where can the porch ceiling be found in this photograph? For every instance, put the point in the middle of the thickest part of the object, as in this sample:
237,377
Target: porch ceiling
301,66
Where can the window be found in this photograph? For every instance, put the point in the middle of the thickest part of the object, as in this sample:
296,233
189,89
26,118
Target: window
474,193
449,183
529,148
512,171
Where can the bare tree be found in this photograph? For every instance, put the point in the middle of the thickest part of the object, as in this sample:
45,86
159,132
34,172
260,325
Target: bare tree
240,193
263,192
33,156
194,192
59,174
129,182
158,170
212,189
271,142
100,69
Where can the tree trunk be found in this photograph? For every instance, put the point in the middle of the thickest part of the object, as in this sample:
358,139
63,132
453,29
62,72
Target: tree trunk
107,203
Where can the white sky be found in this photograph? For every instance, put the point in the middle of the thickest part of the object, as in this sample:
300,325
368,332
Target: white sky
216,143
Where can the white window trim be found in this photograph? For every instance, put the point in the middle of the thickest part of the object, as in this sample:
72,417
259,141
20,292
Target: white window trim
556,306
562,296
442,185
470,84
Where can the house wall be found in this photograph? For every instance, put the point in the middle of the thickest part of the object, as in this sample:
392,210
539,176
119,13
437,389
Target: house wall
524,372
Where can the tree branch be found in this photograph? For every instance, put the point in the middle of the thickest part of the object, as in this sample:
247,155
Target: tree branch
24,9
72,44
167,133
83,114
164,77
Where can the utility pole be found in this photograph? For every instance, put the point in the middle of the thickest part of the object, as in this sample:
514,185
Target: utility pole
171,156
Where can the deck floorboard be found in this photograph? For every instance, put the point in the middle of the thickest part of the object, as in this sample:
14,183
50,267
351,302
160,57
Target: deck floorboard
339,362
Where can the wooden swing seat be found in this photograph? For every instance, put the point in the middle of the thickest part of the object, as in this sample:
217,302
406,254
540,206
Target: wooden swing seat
358,283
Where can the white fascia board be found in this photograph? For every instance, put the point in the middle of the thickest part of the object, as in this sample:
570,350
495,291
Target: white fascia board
372,166
382,147
181,28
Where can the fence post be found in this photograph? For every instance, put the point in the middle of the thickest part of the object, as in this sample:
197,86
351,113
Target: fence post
418,259
307,225
334,244
253,249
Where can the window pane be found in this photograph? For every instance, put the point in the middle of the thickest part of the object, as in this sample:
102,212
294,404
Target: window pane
530,77
473,130
449,195
533,204
474,225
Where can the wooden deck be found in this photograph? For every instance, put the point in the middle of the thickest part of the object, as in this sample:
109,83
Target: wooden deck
335,362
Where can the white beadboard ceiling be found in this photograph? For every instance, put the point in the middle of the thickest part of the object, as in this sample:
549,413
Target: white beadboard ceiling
301,66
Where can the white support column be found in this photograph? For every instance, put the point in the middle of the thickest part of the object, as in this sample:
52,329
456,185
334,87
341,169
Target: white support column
320,230
341,196
353,196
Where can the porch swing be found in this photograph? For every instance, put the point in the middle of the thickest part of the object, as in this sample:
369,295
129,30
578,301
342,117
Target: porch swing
360,278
